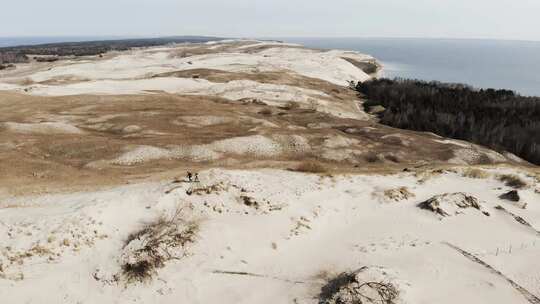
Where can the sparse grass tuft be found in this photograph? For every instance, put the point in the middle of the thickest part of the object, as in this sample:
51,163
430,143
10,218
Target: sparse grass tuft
512,180
346,289
311,166
156,243
398,194
372,157
265,112
475,173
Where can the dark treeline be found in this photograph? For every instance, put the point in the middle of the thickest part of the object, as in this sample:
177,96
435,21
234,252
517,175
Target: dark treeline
18,54
499,119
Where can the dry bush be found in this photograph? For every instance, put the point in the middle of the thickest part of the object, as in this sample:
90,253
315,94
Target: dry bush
424,176
535,176
346,289
372,157
205,189
475,173
26,82
392,158
311,166
265,112
398,194
512,180
156,243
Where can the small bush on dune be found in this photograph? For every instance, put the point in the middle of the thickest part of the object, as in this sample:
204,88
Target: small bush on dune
372,157
535,176
512,180
156,243
475,173
265,112
398,194
346,288
310,167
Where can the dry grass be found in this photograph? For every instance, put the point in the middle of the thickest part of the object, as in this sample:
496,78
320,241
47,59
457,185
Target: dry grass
311,166
198,189
398,194
158,242
475,173
372,157
266,112
346,289
424,176
535,176
26,82
512,180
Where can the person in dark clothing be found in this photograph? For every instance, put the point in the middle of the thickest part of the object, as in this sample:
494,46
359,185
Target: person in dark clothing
189,176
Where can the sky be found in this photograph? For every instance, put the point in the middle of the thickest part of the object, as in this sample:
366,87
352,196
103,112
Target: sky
491,19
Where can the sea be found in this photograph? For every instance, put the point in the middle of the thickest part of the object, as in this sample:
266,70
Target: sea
500,64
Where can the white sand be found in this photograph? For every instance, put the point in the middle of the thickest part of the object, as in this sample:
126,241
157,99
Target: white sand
41,128
251,146
131,72
326,65
318,225
203,120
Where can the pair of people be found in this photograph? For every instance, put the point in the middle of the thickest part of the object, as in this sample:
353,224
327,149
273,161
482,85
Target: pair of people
193,178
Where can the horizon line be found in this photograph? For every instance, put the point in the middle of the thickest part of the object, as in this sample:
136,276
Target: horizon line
266,37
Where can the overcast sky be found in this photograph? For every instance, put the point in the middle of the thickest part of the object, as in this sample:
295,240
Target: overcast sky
501,19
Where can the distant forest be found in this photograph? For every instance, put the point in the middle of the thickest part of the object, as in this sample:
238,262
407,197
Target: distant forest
499,119
18,54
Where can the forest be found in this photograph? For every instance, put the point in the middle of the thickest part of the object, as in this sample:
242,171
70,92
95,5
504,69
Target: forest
18,54
499,119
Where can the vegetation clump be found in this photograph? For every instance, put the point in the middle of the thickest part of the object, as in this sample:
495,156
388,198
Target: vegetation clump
351,288
512,180
398,194
475,173
499,119
310,166
156,243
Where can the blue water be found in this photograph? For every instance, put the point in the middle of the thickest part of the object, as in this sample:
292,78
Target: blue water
499,64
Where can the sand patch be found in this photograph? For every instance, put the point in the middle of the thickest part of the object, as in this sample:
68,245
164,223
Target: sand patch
256,146
41,128
203,120
340,142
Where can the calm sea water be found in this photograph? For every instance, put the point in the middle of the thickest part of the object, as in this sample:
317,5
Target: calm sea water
499,64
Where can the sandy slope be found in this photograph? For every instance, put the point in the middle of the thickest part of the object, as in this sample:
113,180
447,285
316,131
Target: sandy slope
305,229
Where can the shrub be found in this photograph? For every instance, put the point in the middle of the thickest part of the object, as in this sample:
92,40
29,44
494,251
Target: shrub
265,112
512,180
156,243
398,194
346,288
475,173
310,167
372,157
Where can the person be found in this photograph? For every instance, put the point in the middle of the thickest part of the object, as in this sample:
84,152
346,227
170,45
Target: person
189,176
196,177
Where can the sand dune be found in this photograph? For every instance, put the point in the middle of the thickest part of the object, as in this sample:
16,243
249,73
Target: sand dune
302,230
301,196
